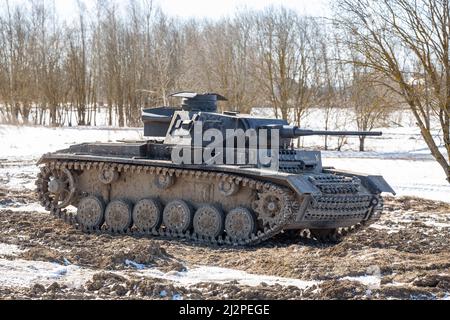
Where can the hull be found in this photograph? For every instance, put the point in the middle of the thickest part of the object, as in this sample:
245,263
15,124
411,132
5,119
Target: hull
213,204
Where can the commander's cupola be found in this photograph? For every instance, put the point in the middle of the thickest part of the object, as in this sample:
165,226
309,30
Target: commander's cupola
195,102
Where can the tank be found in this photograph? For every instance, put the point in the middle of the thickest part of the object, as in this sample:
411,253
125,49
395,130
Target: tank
209,177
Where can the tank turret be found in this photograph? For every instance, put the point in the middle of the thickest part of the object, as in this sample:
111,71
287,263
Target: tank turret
180,124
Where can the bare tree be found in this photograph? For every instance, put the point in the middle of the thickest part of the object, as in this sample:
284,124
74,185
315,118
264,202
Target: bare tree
372,102
278,57
408,42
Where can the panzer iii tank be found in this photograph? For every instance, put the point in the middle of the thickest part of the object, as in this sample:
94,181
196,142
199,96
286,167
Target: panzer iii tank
165,186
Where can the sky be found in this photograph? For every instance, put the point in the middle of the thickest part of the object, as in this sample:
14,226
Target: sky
217,8
211,8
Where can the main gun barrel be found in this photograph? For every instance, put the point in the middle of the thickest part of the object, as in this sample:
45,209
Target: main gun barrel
292,132
302,133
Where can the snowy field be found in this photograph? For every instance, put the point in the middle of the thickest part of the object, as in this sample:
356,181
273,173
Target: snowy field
38,261
400,155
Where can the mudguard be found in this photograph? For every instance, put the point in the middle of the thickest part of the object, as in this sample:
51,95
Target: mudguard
378,183
302,185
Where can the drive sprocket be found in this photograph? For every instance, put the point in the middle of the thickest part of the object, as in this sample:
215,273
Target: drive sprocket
269,207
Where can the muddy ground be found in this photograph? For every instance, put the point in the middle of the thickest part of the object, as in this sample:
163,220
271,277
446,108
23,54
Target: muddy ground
404,256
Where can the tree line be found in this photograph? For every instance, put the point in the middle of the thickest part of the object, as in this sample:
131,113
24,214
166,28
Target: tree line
372,57
129,59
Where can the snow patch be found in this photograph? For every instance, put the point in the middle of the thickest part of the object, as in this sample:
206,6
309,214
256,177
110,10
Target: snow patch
367,280
26,142
435,224
223,275
135,265
177,297
32,207
18,176
389,229
9,249
24,274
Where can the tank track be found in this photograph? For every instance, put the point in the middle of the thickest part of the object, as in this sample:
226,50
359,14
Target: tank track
256,238
287,212
336,235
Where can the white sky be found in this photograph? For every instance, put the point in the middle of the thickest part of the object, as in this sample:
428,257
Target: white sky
217,8
211,8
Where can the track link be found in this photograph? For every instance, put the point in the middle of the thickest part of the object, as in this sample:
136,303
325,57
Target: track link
337,235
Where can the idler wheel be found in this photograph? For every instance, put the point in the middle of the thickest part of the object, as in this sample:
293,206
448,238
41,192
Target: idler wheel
209,221
90,212
118,215
177,216
240,224
147,214
58,187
